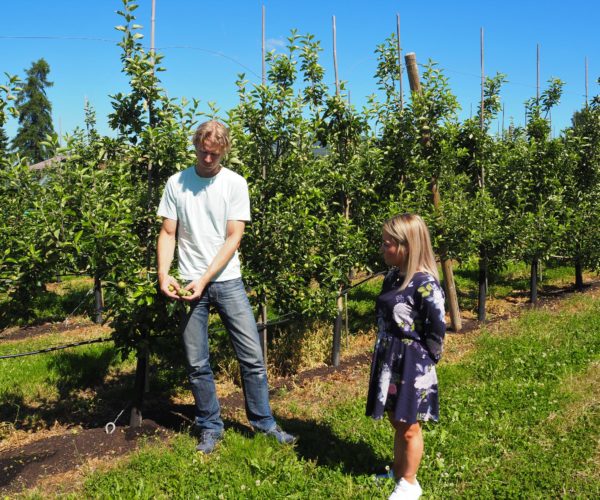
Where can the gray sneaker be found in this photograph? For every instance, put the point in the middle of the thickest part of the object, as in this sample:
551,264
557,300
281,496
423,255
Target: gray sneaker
281,436
209,440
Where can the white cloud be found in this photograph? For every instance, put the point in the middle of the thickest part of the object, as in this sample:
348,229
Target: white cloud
275,43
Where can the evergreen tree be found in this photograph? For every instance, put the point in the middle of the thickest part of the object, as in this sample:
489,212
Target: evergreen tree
3,142
35,119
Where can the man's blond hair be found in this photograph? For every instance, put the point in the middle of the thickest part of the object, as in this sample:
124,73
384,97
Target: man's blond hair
214,131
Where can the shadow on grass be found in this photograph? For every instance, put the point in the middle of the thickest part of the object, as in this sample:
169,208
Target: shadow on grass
85,408
46,306
78,371
83,397
86,390
317,442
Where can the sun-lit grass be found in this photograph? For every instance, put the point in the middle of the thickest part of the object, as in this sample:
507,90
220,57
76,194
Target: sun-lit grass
59,300
519,420
519,415
36,391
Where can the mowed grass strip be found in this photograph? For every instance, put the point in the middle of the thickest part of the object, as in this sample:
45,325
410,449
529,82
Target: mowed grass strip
40,375
519,416
38,392
516,422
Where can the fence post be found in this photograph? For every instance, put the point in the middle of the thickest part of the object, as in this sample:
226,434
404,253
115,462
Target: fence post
578,274
483,281
346,327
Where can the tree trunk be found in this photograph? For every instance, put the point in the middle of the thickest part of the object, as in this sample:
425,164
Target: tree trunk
99,300
337,332
533,282
578,275
141,385
483,280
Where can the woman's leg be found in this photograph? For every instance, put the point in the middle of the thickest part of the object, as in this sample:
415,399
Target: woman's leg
408,450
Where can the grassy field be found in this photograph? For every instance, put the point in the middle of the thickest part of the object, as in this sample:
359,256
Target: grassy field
71,296
520,417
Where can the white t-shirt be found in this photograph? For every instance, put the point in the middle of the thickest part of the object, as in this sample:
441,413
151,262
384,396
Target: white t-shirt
202,206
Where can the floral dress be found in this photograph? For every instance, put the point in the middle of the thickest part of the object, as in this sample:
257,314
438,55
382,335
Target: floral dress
411,329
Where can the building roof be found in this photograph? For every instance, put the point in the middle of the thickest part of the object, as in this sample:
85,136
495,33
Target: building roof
47,163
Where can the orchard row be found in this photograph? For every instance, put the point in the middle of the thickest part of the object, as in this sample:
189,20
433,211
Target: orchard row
322,177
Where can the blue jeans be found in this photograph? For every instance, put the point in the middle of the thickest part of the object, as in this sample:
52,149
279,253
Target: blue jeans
231,301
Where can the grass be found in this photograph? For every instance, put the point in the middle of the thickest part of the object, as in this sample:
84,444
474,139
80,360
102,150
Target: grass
519,419
58,301
521,435
63,386
510,287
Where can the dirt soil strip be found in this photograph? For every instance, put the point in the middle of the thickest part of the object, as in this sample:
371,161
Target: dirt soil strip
24,467
35,331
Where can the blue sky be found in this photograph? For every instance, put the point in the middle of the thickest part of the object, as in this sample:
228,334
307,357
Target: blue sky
206,44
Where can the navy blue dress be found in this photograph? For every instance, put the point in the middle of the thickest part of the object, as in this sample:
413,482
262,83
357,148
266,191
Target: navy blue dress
411,329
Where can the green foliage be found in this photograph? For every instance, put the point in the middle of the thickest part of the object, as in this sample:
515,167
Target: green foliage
322,177
538,194
7,94
3,143
300,199
153,144
27,251
35,114
580,177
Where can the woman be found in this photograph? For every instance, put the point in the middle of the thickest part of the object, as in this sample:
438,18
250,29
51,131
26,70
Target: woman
411,329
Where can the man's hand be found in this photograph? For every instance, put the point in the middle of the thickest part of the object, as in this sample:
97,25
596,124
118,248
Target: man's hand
169,286
194,288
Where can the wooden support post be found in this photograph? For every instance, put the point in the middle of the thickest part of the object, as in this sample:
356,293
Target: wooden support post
413,72
578,275
346,328
586,82
152,28
483,258
141,386
483,278
415,87
537,72
481,117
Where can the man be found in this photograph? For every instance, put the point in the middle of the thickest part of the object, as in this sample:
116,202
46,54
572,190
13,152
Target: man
207,207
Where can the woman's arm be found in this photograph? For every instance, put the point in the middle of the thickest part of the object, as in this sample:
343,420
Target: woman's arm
433,316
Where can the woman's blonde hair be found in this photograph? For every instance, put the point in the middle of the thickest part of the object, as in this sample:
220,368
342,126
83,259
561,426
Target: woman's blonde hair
410,231
214,131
